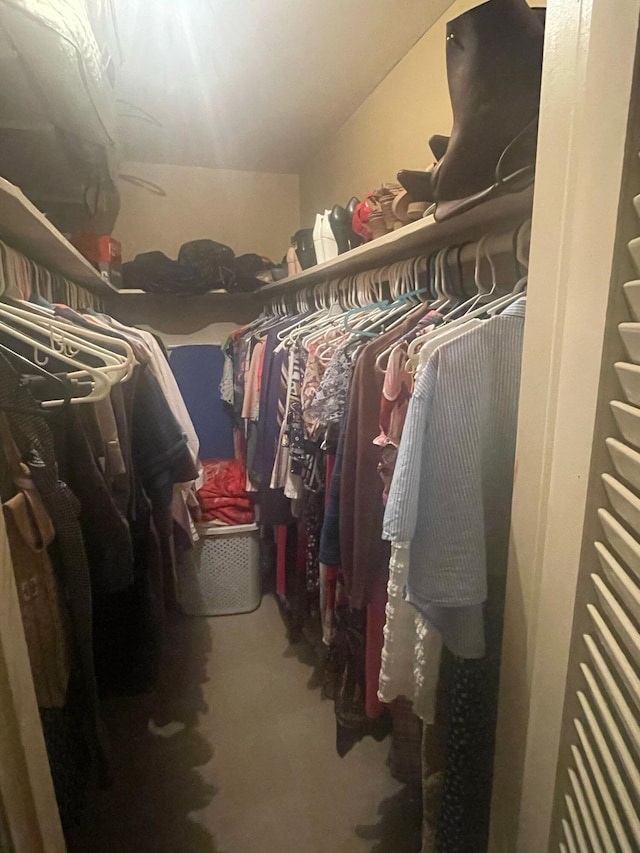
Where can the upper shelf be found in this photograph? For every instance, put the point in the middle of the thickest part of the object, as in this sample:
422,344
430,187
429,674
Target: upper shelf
212,295
421,237
25,228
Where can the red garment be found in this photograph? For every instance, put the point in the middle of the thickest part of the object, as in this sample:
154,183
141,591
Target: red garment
223,496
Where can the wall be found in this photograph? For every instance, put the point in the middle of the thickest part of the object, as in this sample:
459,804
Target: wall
249,211
390,130
183,319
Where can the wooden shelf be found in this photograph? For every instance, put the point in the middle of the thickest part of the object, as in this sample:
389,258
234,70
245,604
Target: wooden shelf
25,228
212,295
418,238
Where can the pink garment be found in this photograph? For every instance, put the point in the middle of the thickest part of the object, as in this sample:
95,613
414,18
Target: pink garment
396,393
313,374
253,378
293,264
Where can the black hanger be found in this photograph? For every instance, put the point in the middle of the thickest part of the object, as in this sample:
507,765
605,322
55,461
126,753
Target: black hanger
43,379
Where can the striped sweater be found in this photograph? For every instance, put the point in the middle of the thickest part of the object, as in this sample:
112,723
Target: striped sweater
451,490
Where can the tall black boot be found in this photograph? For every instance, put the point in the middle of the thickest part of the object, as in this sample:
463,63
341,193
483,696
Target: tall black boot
494,68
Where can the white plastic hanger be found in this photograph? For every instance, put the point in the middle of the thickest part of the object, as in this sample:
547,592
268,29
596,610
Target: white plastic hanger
101,384
499,303
75,331
64,338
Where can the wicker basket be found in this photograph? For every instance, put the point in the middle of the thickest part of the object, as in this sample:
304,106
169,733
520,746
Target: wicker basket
220,575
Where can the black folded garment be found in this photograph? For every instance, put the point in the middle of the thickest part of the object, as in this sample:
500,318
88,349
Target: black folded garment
202,265
251,272
156,273
214,261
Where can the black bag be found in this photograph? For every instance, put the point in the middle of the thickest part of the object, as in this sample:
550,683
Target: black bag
156,273
202,265
252,271
213,261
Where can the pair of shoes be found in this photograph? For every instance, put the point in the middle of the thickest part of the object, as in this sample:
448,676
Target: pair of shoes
494,70
376,215
407,210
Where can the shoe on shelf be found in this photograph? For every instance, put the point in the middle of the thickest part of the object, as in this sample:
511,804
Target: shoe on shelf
341,228
329,244
305,248
318,242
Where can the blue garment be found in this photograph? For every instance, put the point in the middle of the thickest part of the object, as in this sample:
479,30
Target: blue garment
451,490
198,370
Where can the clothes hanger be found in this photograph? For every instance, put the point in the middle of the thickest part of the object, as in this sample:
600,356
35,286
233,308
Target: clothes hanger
418,342
498,304
522,238
394,275
40,372
64,339
463,324
481,289
67,342
101,383
406,300
126,361
417,266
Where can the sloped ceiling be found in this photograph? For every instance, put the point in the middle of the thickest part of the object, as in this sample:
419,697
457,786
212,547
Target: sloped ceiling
253,84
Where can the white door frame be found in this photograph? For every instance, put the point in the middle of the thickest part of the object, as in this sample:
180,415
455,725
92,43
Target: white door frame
589,58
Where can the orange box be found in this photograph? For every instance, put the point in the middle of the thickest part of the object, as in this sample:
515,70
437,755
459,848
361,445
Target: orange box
104,253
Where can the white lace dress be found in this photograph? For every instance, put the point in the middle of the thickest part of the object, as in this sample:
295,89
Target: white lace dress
412,647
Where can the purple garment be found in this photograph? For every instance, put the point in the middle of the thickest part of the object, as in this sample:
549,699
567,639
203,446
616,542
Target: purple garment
275,508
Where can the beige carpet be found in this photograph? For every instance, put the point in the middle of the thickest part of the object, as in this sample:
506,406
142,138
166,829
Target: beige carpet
235,753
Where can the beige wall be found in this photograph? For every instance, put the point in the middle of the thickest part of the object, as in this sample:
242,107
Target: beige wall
390,130
249,211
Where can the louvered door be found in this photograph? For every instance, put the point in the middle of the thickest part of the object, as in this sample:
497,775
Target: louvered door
598,784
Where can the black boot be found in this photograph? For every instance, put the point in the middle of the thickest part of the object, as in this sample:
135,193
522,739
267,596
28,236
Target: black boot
305,250
341,227
494,67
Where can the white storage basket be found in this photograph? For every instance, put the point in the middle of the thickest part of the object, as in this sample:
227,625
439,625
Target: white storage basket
220,575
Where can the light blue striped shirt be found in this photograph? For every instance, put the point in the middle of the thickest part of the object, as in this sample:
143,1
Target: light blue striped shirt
451,490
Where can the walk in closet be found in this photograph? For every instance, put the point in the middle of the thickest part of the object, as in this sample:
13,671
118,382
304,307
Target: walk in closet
319,444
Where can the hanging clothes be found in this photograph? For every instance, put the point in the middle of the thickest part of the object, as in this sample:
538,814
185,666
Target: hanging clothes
87,494
410,407
455,474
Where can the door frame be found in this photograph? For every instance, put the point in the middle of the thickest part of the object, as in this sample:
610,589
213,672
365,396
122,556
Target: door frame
587,82
29,818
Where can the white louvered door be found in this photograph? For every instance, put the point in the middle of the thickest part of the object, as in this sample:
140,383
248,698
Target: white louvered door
598,784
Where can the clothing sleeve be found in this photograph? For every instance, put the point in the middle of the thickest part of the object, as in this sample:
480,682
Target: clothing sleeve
401,512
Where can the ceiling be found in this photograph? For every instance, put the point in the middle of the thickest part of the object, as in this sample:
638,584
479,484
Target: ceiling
253,84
